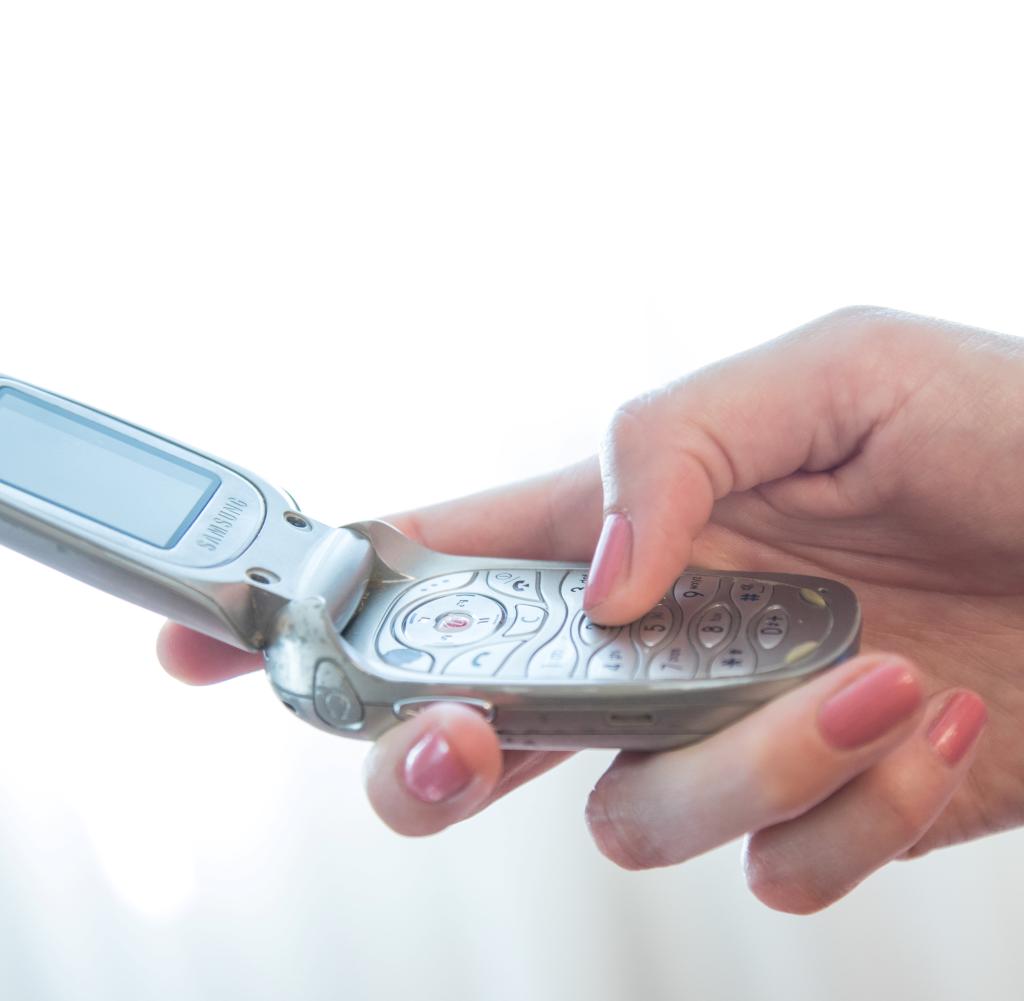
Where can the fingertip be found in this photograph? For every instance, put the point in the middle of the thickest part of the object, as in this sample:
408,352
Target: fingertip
632,568
434,770
620,831
626,606
788,896
196,659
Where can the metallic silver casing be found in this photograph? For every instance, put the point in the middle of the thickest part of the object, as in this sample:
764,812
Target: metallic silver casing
332,679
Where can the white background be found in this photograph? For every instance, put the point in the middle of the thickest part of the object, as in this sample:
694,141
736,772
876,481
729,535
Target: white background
389,252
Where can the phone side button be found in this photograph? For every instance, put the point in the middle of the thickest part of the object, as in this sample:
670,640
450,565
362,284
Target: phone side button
333,697
481,662
407,708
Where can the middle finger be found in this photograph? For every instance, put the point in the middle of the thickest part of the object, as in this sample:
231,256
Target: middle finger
775,764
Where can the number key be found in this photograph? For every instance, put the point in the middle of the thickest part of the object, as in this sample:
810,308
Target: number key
714,626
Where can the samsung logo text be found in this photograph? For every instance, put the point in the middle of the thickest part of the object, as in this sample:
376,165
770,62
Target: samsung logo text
221,523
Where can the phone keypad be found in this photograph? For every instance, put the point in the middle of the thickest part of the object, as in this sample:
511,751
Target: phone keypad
735,662
504,625
555,661
528,619
448,582
714,626
452,620
693,591
409,660
771,627
652,629
615,661
514,585
591,634
676,662
480,662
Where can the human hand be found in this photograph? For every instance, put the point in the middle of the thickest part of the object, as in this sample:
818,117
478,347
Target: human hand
871,446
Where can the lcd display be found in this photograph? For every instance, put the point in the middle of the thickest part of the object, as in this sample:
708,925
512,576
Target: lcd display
103,475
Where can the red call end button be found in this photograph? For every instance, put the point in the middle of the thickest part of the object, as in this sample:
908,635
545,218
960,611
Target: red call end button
454,622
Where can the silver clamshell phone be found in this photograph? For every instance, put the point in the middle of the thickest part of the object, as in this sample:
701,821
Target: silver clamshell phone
361,627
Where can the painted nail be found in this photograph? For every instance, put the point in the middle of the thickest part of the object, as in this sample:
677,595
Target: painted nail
957,727
611,559
870,706
433,770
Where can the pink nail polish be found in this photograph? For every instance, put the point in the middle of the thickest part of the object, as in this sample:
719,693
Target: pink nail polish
611,559
433,770
957,727
870,706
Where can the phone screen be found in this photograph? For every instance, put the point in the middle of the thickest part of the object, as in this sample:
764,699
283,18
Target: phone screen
97,472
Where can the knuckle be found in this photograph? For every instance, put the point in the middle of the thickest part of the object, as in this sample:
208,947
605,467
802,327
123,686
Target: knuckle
862,330
618,832
687,437
917,850
856,316
906,817
781,790
878,330
637,426
633,418
848,326
781,797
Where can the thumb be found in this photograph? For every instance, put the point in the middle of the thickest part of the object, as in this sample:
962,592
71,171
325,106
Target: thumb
791,404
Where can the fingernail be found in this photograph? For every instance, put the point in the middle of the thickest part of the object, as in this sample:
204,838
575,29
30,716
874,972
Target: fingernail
870,706
433,770
611,559
957,727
